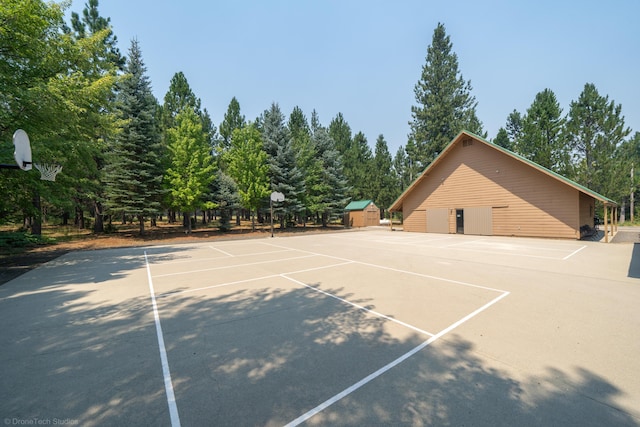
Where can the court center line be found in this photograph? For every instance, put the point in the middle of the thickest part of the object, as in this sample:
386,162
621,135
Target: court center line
573,253
358,306
220,250
270,276
397,270
204,259
233,266
304,417
168,385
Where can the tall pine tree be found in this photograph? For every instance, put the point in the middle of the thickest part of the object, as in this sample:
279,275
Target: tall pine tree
541,139
595,130
133,174
285,176
445,105
328,192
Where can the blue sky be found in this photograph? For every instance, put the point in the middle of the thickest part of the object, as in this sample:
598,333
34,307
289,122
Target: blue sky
363,58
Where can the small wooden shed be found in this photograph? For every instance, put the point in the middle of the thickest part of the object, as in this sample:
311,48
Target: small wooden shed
361,213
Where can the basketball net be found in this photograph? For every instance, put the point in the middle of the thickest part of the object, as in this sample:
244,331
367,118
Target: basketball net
48,171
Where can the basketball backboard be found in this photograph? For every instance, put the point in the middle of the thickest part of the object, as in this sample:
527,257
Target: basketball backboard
22,148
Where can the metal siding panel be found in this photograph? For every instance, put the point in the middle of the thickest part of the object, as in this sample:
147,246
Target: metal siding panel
478,221
438,220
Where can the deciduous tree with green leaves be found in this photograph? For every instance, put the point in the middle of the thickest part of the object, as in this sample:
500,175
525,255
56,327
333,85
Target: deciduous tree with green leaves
55,86
247,165
191,167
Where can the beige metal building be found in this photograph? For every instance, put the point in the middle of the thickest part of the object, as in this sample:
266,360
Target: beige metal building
361,213
477,187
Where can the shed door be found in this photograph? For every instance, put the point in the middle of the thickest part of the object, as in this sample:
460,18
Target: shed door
438,220
478,221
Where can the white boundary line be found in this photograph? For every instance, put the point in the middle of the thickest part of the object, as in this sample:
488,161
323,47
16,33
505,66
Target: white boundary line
304,417
217,258
573,253
220,250
175,421
168,385
233,266
422,331
270,276
397,270
461,246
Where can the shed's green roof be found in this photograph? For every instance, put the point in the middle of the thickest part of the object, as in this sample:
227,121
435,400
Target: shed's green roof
358,205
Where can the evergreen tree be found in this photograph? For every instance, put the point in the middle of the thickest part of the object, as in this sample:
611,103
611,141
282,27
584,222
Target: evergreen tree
226,197
315,121
328,192
247,165
104,62
285,176
502,139
358,168
191,167
595,131
303,147
514,128
340,132
385,186
400,169
178,97
445,105
91,23
541,139
133,172
232,120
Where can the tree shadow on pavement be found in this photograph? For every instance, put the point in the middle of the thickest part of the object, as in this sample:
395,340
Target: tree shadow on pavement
260,355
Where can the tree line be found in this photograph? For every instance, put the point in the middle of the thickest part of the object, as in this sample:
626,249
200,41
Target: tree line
126,155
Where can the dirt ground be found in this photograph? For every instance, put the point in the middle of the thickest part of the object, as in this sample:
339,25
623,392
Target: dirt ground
15,262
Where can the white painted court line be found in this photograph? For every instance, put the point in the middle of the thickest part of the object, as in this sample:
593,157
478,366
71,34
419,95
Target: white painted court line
427,276
185,261
221,251
358,306
233,266
168,385
253,279
573,253
304,417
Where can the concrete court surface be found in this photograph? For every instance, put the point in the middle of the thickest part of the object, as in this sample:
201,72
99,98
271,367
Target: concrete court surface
356,328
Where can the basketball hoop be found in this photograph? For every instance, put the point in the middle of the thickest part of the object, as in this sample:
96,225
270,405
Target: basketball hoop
48,171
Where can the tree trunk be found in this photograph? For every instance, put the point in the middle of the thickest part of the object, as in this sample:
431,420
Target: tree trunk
79,218
98,225
36,225
141,220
